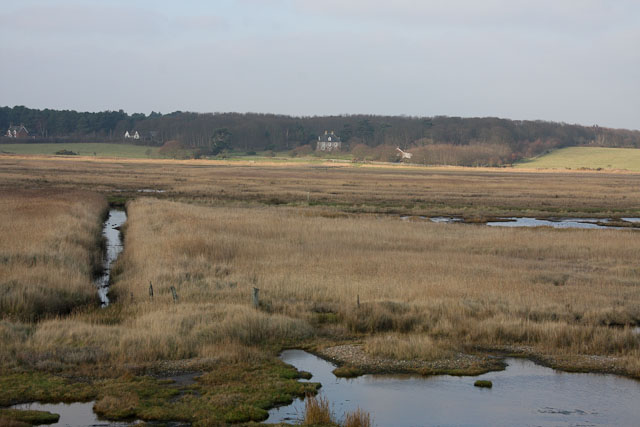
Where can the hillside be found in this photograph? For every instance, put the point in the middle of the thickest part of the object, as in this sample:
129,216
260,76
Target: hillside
435,140
587,158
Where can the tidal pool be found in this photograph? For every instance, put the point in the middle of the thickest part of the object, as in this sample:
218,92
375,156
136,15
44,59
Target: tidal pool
523,394
590,223
71,414
111,232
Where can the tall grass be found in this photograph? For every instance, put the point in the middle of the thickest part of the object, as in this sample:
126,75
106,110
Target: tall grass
49,251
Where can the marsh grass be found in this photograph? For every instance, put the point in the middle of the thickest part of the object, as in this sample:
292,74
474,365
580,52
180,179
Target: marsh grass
49,252
467,192
317,411
357,418
426,290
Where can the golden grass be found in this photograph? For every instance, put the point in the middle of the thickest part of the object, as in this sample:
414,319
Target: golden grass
429,289
317,411
358,418
426,290
49,251
467,192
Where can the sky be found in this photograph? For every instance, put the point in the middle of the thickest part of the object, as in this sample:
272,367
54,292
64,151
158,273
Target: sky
558,60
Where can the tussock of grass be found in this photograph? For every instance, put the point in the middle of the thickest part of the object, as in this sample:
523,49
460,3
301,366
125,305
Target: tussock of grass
317,411
358,418
347,372
483,384
406,347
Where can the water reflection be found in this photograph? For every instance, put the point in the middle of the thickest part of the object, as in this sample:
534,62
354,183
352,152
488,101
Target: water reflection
71,414
111,232
523,394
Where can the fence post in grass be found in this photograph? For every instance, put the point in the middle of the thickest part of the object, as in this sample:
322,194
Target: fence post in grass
256,299
358,300
150,291
175,295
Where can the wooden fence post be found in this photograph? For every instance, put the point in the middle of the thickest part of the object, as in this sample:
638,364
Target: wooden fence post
150,291
175,295
256,299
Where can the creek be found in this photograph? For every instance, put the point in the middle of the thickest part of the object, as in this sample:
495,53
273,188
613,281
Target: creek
585,223
111,233
523,394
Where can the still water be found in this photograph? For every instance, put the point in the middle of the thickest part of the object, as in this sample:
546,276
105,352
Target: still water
525,394
71,414
111,232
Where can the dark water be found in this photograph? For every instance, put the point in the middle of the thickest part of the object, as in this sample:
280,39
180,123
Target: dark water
525,394
111,232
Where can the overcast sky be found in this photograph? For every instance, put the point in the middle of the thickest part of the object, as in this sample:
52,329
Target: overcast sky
571,61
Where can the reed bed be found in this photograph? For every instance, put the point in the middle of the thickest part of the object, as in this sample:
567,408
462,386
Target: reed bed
425,290
475,193
49,251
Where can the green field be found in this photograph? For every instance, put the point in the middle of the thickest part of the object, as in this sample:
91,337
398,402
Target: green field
84,149
588,158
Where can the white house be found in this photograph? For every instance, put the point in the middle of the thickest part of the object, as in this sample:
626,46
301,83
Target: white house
134,135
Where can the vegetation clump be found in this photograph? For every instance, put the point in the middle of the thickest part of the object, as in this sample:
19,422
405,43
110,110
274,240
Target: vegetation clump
66,153
347,372
483,384
19,417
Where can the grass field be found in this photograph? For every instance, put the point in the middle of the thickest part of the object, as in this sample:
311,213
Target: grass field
84,149
587,158
315,239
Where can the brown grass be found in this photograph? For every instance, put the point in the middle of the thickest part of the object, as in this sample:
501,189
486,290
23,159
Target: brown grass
358,418
399,189
317,411
49,251
426,290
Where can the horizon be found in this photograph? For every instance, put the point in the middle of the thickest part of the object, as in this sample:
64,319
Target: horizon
548,61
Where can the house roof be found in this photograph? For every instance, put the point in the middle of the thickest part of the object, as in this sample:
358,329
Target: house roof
327,135
18,128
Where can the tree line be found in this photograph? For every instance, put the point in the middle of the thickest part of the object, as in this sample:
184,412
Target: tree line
498,140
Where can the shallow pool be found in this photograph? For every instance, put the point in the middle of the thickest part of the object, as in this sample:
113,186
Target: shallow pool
523,394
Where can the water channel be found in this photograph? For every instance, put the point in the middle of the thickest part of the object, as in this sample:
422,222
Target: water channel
585,223
111,233
523,394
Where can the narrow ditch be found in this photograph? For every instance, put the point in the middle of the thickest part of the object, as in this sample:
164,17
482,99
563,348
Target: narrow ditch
113,238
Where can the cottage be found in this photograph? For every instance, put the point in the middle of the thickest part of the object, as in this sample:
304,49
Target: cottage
148,136
131,135
328,142
17,132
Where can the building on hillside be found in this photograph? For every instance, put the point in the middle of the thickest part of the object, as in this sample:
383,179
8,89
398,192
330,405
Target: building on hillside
146,136
131,135
328,142
17,132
